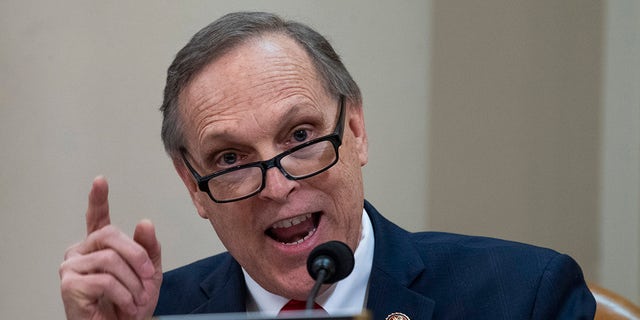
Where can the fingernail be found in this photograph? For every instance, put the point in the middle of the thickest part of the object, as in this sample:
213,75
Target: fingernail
147,269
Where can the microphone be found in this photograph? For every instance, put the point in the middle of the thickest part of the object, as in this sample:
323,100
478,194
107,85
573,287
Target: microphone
328,263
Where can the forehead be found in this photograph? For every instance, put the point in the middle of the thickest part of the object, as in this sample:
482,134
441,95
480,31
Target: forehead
262,69
250,90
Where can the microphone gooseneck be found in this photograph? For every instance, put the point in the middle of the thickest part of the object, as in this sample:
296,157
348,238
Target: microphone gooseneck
328,263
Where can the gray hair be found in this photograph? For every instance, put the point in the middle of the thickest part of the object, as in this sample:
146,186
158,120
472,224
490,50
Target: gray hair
227,33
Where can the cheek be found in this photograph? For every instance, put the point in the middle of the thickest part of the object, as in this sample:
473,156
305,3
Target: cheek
226,230
222,223
231,226
345,187
350,170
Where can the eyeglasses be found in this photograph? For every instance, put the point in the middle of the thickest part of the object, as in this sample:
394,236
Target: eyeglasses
300,162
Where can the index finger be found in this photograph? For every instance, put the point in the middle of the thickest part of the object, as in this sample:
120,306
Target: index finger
98,209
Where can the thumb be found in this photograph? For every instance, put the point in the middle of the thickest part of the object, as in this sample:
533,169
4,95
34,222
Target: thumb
145,235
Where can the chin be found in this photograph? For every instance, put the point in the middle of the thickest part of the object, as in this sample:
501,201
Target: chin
295,284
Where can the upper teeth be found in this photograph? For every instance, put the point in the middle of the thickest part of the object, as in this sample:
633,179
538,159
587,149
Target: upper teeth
291,222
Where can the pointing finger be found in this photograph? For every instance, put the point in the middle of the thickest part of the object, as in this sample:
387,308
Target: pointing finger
98,209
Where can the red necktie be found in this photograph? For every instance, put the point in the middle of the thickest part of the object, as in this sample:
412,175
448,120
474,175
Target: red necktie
297,305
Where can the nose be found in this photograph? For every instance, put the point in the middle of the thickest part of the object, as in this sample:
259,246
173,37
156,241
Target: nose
277,187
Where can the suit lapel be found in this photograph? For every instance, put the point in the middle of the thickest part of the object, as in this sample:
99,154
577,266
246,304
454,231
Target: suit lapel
387,296
225,289
396,264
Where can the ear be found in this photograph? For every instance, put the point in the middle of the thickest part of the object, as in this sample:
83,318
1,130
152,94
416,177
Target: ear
192,186
356,124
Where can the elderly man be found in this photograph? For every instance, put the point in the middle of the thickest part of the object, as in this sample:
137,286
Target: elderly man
265,127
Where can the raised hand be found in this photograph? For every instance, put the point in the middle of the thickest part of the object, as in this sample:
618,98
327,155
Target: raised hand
110,275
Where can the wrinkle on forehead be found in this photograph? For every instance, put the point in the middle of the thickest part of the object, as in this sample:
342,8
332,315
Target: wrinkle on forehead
246,81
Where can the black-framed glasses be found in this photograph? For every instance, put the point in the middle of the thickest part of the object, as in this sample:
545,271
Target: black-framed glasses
302,161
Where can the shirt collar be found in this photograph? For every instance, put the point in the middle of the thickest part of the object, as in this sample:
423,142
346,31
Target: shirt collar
346,296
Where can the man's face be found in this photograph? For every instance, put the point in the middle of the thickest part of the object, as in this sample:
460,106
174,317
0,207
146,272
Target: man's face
251,104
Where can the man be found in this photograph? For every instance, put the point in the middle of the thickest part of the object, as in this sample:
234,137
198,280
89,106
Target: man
265,127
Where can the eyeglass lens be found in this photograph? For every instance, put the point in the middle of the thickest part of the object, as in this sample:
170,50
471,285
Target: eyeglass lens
299,164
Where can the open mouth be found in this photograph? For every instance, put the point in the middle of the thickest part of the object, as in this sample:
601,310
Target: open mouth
294,230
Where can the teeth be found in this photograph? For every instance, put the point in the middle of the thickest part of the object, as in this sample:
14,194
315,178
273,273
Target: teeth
301,240
291,222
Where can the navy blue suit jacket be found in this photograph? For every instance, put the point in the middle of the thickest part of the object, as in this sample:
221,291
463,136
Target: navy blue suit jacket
426,275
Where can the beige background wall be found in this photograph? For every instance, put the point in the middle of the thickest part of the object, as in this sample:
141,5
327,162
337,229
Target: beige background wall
534,128
514,121
502,118
619,220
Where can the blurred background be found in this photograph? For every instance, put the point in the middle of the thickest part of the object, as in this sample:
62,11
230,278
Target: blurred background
511,119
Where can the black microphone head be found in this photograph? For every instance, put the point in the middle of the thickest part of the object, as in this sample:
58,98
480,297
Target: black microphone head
335,257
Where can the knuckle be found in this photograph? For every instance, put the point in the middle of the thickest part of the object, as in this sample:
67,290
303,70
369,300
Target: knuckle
140,255
62,269
103,233
108,282
110,257
71,251
109,228
108,231
67,266
67,283
107,256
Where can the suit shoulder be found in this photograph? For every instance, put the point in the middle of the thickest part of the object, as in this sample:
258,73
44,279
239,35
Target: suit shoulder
198,269
494,258
181,290
537,283
481,277
477,244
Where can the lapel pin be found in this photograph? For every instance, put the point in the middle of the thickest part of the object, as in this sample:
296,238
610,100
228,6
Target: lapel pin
397,316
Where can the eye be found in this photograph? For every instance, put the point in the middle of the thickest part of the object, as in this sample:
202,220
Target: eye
300,135
229,158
